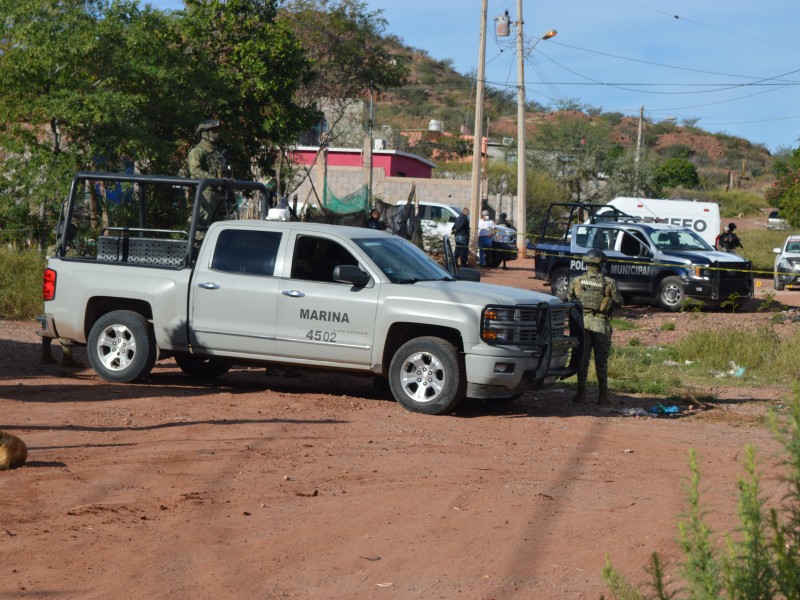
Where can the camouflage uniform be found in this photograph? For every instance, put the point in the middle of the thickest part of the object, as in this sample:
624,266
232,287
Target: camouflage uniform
599,296
206,160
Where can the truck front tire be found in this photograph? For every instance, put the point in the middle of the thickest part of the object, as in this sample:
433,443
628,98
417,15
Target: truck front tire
122,347
199,367
559,284
426,375
670,295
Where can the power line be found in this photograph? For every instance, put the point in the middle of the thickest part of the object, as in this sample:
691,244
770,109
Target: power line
656,64
714,27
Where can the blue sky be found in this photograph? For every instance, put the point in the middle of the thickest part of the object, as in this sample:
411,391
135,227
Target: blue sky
732,66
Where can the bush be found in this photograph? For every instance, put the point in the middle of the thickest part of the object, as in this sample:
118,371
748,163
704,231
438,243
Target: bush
20,284
676,172
763,557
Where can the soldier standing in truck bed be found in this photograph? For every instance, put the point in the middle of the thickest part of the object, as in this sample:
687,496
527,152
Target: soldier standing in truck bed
599,296
207,160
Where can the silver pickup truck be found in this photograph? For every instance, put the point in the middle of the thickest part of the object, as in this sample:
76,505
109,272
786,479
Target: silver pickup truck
251,291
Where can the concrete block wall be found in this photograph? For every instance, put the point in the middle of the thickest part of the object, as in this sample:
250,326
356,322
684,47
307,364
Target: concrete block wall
345,180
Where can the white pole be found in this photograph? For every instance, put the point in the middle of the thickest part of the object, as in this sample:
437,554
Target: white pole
475,201
521,216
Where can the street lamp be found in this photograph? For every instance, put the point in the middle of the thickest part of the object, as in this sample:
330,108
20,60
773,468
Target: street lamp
521,216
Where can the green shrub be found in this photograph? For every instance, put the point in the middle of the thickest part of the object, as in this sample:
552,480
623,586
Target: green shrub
20,284
760,561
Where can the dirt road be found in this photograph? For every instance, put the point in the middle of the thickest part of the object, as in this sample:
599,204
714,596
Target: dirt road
321,487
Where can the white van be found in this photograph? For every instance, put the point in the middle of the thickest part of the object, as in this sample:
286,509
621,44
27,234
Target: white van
701,217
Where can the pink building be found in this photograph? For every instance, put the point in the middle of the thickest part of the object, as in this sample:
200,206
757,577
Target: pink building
392,162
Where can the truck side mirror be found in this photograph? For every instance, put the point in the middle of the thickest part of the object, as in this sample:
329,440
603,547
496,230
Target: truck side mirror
467,274
350,274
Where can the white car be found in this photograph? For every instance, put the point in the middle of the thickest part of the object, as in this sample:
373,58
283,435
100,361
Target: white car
787,264
775,221
437,221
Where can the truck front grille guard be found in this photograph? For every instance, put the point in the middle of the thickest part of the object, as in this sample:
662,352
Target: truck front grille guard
727,277
547,329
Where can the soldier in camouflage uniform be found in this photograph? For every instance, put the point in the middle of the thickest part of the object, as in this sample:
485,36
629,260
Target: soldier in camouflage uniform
599,296
206,160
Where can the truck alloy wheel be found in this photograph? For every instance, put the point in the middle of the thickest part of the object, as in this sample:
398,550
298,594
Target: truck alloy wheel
560,283
121,347
671,295
427,375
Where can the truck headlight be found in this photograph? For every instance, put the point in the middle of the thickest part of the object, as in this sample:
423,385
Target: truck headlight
699,272
789,265
498,325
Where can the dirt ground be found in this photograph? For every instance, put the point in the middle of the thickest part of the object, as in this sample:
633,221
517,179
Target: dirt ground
320,487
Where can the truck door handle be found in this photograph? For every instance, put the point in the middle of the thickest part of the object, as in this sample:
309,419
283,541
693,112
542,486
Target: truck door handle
293,293
208,285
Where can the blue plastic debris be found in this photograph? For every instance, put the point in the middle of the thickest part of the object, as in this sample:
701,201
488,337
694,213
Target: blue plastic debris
660,409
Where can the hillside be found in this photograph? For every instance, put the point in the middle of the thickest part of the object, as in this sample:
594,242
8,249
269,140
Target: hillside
435,91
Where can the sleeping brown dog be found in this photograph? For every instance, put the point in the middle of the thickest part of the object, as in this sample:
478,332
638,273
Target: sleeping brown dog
13,451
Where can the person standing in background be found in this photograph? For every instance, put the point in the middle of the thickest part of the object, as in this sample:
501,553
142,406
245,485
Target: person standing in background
486,231
461,235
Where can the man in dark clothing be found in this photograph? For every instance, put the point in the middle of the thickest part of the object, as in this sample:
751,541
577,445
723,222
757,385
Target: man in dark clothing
729,241
374,221
461,235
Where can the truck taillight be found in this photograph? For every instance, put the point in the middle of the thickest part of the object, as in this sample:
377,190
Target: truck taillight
48,285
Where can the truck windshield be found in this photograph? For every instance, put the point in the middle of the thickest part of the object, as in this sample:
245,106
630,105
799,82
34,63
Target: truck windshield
679,239
401,261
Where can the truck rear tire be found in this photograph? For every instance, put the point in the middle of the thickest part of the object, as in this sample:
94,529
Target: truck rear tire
199,367
670,295
559,283
426,375
122,347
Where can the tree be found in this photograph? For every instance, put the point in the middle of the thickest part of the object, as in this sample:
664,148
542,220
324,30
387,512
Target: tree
256,67
342,40
785,191
68,104
99,84
574,150
675,172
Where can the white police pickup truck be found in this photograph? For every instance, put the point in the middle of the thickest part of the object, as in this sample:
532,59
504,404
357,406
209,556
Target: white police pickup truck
133,287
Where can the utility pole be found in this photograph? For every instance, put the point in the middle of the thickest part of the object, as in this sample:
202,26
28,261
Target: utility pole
475,200
521,212
638,157
369,150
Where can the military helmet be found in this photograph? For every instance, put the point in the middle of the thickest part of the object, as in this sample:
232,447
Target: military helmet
206,125
732,226
594,257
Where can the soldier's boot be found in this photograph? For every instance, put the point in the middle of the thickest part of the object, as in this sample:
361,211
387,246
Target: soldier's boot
580,392
602,396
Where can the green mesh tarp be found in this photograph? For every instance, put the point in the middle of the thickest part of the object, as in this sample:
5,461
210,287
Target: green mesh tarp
347,210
